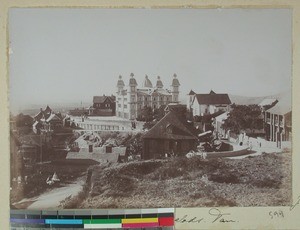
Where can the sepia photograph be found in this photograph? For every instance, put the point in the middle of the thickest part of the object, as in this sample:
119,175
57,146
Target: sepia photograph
150,108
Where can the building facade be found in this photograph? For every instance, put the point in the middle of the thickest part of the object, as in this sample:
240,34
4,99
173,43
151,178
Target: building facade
46,121
132,99
203,104
278,121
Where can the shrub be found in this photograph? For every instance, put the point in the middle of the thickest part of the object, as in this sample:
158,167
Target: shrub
224,177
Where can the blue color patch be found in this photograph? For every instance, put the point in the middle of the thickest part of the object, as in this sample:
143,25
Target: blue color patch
63,221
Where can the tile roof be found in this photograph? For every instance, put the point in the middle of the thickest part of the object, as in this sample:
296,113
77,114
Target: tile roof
48,109
283,106
213,98
53,116
267,101
102,99
191,92
39,116
171,121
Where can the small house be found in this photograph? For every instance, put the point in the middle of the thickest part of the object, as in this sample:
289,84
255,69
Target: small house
172,135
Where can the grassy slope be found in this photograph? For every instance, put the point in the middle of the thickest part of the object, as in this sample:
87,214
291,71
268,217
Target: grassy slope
254,181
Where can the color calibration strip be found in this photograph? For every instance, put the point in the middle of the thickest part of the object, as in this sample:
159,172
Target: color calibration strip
94,219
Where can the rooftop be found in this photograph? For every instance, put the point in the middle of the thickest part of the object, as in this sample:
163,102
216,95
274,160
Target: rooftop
171,126
283,106
213,98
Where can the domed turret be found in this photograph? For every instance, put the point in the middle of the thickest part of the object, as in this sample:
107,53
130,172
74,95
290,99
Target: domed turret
159,83
132,81
175,89
147,82
175,81
120,84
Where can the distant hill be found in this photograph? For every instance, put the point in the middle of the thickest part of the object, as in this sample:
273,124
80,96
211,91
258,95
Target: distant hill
243,100
62,107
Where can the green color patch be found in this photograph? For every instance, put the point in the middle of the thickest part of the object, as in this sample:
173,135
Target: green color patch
102,221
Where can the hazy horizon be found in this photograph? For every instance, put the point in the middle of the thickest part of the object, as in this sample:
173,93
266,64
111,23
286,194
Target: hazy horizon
70,55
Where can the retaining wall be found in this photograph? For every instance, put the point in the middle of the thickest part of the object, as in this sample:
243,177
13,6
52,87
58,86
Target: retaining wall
233,153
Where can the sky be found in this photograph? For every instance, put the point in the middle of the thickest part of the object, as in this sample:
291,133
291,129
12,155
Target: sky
70,55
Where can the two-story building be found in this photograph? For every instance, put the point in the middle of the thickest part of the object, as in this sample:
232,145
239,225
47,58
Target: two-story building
103,106
278,120
47,121
203,104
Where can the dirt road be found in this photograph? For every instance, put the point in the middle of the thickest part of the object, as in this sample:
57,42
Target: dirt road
51,199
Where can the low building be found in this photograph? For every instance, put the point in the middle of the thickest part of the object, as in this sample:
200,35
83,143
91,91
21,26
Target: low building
106,123
171,135
101,154
203,104
278,120
79,112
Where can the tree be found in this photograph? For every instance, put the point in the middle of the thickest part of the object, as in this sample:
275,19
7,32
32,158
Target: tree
146,114
134,143
159,113
24,120
243,117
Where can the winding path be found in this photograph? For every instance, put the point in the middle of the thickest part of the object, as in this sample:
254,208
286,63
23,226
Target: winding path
51,199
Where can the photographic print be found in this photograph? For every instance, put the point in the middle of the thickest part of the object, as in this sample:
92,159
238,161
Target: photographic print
150,108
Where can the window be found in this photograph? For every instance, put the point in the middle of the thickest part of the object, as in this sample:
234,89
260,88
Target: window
125,106
119,105
145,98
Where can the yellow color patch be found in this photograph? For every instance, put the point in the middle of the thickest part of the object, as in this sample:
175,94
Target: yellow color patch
139,220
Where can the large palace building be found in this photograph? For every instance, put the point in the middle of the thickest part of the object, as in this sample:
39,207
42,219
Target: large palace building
132,99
